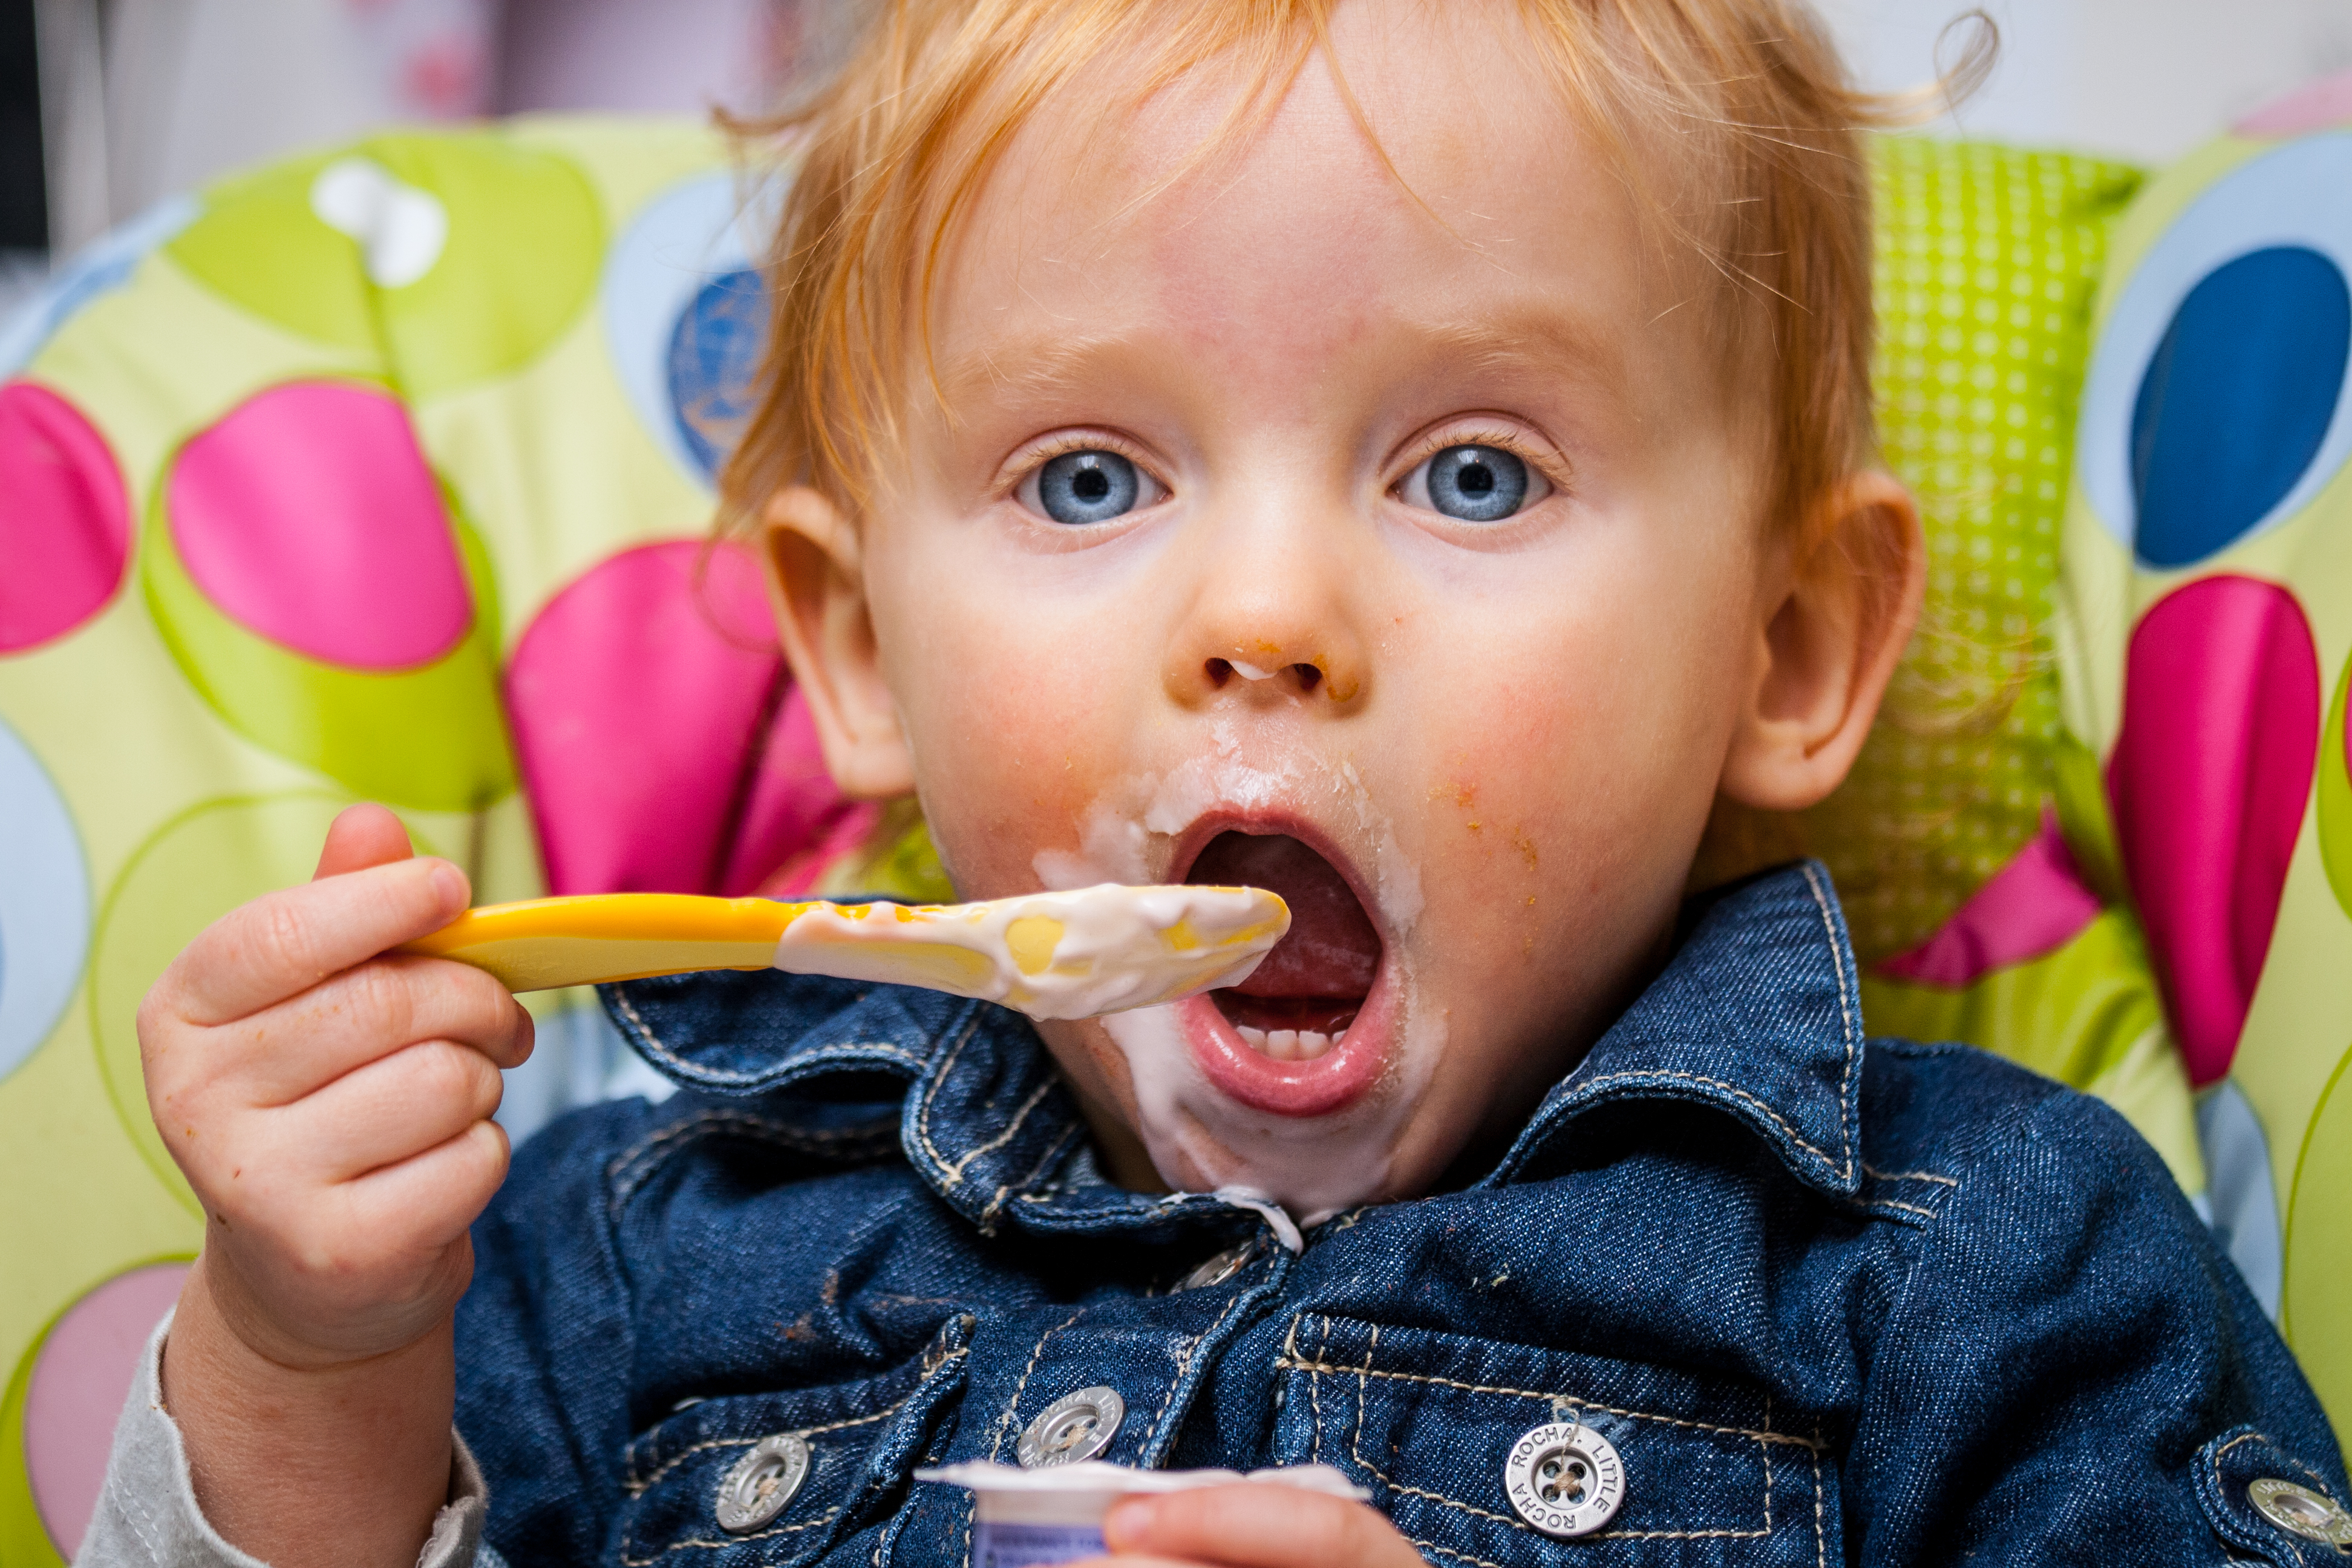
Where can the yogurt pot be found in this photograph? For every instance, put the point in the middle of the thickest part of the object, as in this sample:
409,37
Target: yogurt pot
1054,1513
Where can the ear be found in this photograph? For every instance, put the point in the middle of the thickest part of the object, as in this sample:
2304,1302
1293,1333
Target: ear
817,582
1848,595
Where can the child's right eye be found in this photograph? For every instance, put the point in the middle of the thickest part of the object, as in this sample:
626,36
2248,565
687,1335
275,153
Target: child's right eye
1087,485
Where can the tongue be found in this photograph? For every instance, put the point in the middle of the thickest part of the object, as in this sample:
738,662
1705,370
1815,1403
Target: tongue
1331,950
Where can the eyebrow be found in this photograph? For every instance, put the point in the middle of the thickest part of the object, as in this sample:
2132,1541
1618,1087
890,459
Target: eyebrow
1518,338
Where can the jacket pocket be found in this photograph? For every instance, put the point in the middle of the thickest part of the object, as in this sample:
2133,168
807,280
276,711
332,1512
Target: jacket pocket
840,1453
1429,1421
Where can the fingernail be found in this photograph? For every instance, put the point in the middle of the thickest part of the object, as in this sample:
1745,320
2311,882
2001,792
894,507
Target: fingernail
1128,1524
450,883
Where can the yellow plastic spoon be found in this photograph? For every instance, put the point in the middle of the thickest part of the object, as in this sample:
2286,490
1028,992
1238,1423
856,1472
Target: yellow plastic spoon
1075,954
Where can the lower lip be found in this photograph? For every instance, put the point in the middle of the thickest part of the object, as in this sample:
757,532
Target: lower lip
1332,1081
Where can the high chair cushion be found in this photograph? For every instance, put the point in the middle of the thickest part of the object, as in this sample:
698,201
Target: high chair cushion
387,473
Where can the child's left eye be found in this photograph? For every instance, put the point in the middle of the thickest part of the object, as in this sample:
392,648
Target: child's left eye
1088,486
1474,483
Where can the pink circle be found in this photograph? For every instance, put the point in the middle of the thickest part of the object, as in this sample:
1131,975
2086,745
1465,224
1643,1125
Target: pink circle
2210,777
310,516
65,528
80,1379
2323,103
660,741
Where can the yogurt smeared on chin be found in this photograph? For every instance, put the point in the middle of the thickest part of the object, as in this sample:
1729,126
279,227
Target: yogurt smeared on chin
1199,1136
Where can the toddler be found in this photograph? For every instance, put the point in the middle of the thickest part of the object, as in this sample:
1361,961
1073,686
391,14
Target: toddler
1412,457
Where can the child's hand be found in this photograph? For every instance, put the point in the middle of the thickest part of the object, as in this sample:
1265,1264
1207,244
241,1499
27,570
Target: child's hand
330,1104
1254,1527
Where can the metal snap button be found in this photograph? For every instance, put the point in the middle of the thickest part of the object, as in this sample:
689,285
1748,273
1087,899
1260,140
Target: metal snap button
1218,1269
2299,1510
759,1485
1074,1427
1564,1478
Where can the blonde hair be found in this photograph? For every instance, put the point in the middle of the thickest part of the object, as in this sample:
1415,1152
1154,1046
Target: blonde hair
1747,98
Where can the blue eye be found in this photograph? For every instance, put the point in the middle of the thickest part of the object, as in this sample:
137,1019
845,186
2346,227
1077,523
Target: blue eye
1092,486
1475,484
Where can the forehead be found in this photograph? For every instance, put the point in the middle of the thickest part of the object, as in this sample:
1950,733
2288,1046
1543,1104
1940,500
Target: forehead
1457,198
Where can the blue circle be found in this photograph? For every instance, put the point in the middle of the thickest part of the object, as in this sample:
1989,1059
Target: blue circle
2236,400
45,904
714,357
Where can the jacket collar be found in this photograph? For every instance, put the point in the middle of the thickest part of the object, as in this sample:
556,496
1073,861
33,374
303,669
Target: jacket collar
1758,1014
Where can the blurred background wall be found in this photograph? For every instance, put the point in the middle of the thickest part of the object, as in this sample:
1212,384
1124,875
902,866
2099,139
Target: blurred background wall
108,105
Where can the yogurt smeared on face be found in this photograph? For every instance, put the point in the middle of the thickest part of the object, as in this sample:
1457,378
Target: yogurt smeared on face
1221,1102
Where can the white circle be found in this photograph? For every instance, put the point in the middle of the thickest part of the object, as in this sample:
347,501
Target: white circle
44,904
690,235
1564,1478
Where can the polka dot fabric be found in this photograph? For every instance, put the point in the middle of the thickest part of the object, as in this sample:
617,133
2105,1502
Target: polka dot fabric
2207,595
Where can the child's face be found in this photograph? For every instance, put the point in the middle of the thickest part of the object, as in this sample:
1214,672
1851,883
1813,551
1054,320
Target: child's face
1419,544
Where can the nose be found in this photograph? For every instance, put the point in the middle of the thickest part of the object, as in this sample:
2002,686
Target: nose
1275,614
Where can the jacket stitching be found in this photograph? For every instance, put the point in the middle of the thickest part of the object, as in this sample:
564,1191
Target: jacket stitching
2317,1479
636,1487
1952,1182
1768,1437
825,1519
1449,1552
1185,1363
1011,1410
669,1054
1355,1448
954,1173
1821,1535
1846,1020
1844,1169
656,1151
930,1096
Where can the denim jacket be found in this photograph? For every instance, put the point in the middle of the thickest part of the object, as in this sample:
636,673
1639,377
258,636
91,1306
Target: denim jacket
1829,1301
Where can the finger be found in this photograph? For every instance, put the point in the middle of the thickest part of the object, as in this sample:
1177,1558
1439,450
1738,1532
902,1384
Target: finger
285,943
283,1053
423,1204
389,1111
1256,1526
362,836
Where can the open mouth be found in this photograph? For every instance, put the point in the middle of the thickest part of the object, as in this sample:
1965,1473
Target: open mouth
1299,1004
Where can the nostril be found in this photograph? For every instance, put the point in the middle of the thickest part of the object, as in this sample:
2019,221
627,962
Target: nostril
1309,676
1219,672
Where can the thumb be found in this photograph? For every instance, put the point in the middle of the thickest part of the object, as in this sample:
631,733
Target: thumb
362,835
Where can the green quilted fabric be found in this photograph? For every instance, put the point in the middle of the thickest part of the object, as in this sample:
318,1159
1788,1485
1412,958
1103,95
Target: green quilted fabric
1988,258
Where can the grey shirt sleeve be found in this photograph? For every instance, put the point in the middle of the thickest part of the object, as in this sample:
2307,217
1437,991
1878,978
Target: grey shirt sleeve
147,1515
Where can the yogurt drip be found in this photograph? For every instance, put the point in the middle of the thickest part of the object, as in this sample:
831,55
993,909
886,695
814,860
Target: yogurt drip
1199,1138
1070,954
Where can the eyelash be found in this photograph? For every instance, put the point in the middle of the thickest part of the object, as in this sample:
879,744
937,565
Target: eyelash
1544,462
1029,459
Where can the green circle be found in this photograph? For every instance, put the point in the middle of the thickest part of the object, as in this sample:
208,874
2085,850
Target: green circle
2316,1293
2336,798
431,738
524,244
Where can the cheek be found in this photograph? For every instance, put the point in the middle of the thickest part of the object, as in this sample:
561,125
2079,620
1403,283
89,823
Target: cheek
1014,724
1573,742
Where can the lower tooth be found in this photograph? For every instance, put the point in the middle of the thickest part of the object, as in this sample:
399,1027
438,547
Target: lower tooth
1313,1042
1282,1045
1254,1038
